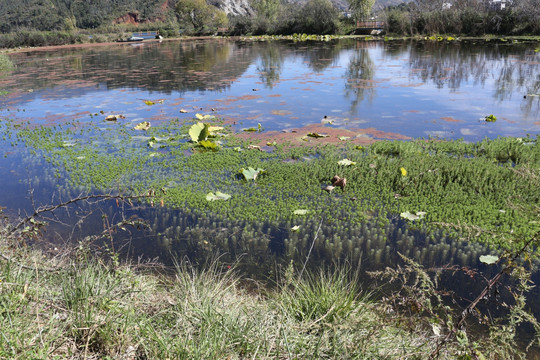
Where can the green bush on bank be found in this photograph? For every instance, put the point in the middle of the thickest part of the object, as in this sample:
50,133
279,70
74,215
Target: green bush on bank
35,38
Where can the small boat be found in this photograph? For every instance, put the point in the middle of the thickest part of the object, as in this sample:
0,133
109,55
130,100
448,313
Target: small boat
132,39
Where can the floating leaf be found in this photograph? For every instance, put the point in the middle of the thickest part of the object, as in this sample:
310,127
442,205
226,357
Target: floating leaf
491,118
300,212
403,171
145,125
339,182
207,144
295,228
488,259
114,117
204,117
217,196
410,216
255,147
346,162
149,102
198,132
68,144
271,143
250,129
317,135
213,129
251,174
237,149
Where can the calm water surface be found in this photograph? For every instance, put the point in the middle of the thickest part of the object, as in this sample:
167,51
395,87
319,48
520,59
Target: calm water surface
382,89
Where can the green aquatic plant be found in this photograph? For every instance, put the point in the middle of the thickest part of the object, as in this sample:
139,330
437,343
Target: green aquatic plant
491,118
496,181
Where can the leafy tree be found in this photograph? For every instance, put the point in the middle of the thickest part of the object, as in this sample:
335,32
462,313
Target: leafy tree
361,9
198,17
318,17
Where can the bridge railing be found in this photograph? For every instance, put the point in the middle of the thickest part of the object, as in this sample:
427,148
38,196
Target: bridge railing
370,24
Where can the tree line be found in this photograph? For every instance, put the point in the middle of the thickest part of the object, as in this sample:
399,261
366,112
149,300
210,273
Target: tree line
50,22
464,17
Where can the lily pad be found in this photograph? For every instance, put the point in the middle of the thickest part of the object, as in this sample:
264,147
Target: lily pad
488,259
346,162
198,132
251,173
114,117
252,129
204,117
410,216
317,135
145,125
150,102
214,129
217,196
207,144
490,118
66,144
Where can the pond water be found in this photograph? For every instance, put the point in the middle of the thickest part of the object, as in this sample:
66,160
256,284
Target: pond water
383,89
367,90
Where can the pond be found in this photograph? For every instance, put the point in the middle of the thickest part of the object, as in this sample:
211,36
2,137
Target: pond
354,91
395,89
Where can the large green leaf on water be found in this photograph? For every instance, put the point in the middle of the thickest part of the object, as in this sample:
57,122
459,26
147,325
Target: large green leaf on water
207,144
489,259
251,173
346,162
198,132
217,196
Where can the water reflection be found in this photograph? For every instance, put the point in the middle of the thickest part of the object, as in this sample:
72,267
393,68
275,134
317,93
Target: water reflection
431,87
360,74
270,64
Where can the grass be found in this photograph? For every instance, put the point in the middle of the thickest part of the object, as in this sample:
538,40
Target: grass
95,310
92,310
5,63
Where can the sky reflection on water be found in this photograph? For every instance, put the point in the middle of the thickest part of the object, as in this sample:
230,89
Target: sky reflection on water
416,89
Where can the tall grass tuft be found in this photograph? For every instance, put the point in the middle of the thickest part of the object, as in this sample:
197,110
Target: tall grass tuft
5,63
324,296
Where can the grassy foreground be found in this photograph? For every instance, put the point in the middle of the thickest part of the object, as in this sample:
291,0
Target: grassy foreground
99,311
90,310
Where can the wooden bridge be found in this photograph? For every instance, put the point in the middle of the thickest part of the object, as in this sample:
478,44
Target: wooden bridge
369,27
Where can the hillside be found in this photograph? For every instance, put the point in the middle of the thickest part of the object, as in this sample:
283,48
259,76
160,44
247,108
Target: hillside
83,14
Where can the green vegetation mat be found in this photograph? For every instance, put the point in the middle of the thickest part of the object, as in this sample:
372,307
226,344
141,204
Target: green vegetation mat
487,192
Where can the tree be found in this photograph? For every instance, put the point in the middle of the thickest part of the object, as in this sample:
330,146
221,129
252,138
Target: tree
267,14
361,9
319,17
200,18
